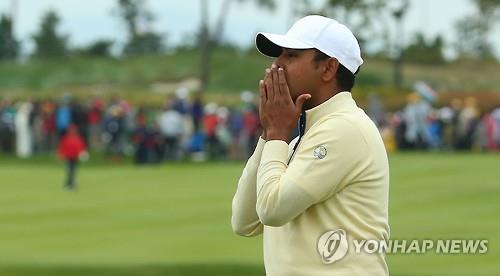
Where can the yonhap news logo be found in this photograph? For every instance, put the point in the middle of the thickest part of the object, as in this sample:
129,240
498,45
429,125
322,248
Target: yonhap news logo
456,246
333,245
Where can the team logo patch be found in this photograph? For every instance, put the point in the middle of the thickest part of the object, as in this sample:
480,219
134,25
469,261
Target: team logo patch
320,152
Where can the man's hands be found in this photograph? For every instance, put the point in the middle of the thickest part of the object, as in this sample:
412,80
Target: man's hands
278,113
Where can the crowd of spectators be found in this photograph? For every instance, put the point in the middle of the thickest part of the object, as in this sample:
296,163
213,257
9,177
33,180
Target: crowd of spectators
458,126
185,128
182,128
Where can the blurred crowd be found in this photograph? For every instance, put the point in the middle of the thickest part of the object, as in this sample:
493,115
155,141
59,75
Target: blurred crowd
182,129
461,125
186,129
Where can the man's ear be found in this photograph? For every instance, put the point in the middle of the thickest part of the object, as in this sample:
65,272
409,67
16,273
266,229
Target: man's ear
330,68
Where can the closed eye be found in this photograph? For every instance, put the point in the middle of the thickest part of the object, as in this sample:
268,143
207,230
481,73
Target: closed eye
292,53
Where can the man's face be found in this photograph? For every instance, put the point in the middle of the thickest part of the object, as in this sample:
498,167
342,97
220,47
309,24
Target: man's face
301,70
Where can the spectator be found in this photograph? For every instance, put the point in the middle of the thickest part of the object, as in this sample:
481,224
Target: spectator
72,149
197,112
495,129
63,116
235,126
49,134
415,117
456,105
446,118
434,130
251,124
113,129
467,123
222,132
376,110
210,122
171,124
24,141
94,119
7,127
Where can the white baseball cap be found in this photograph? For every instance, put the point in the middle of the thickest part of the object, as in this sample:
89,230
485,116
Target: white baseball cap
319,32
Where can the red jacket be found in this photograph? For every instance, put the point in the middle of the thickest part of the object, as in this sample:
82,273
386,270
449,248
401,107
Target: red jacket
71,146
210,121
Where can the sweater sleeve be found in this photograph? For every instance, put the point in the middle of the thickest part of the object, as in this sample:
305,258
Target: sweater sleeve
324,163
244,219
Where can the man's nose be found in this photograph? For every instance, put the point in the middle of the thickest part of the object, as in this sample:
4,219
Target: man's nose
278,62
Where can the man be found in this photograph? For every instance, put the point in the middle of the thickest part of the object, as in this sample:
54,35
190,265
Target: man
72,149
171,125
311,197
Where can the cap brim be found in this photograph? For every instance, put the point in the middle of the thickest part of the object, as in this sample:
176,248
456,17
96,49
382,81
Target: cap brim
271,45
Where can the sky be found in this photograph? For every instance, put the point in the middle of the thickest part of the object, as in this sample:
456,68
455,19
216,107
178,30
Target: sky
89,20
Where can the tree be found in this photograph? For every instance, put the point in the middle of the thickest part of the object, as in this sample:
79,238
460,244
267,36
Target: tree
398,15
144,43
9,46
370,19
137,18
48,43
300,8
421,51
209,38
343,9
362,16
473,30
99,48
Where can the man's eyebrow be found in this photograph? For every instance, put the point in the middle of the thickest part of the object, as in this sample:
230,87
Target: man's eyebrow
295,51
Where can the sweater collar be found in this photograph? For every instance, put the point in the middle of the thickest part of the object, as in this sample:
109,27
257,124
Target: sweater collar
338,103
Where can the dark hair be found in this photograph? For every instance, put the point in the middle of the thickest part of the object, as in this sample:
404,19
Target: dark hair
345,78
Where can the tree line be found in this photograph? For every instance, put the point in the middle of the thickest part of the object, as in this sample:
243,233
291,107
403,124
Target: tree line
369,19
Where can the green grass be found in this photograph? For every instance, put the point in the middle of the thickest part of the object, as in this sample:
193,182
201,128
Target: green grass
175,219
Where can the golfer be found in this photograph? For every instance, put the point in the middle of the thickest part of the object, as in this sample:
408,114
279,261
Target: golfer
313,195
